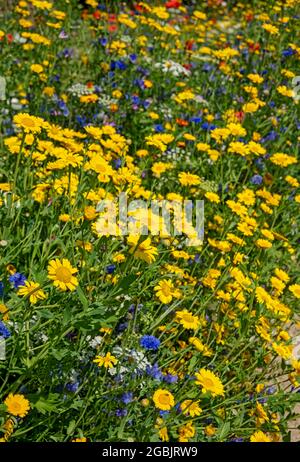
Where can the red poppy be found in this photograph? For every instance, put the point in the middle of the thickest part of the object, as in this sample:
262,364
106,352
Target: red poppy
254,47
182,122
97,14
139,8
112,28
9,37
173,4
90,84
189,44
240,115
249,17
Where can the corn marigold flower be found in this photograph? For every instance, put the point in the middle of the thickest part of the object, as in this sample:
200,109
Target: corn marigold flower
17,405
143,250
189,179
260,437
186,432
283,160
190,407
187,319
295,289
33,291
29,123
62,274
163,399
165,291
108,361
209,382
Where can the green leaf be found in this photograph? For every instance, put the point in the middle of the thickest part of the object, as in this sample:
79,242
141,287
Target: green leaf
44,405
71,427
223,431
82,298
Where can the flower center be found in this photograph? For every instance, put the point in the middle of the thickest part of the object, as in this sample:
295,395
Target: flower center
63,274
188,318
16,407
208,383
28,122
164,399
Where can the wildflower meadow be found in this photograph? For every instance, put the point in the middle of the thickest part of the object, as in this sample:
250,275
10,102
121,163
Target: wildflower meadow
149,221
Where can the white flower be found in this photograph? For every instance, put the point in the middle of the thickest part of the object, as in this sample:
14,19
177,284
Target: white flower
96,341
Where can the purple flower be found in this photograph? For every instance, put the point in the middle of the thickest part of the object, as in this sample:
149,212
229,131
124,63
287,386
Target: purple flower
121,412
127,397
256,179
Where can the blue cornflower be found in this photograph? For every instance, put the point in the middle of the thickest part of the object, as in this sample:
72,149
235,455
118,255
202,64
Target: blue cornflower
121,327
159,128
169,378
121,412
4,332
118,163
256,179
149,342
127,397
288,52
196,120
72,386
1,289
103,41
17,279
133,57
110,268
154,372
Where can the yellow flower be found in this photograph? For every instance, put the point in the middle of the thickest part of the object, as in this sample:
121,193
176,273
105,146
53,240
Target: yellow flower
212,197
295,289
108,361
79,440
17,405
144,251
292,181
37,68
283,351
165,291
209,382
163,434
284,91
186,432
187,319
283,160
255,78
62,273
4,311
28,123
247,197
188,179
33,291
210,430
163,400
260,437
91,98
263,243
273,30
190,407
